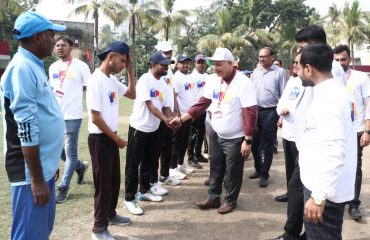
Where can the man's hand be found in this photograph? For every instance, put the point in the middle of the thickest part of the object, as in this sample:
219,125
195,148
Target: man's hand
176,122
284,112
128,62
41,192
168,123
365,139
279,123
245,149
120,142
313,212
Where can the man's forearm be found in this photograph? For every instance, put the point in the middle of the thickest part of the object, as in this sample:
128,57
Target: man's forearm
32,156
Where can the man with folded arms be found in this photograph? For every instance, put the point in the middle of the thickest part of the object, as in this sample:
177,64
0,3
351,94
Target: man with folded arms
232,100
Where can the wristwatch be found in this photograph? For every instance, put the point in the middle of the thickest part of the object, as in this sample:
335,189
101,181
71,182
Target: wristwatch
248,141
319,202
367,131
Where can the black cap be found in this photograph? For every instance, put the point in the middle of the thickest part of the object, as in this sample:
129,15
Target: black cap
182,58
159,57
116,46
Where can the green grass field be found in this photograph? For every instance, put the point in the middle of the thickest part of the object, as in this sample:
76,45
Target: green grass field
76,214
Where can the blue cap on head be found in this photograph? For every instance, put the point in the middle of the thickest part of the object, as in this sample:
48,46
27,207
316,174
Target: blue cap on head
159,57
116,46
30,23
247,72
183,58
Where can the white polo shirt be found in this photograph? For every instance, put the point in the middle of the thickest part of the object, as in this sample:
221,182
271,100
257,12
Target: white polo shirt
328,153
227,103
102,95
183,85
358,86
155,90
291,95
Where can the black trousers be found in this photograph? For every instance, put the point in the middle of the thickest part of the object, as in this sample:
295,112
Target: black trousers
291,155
355,203
166,149
179,144
196,137
264,139
142,150
226,163
294,223
104,154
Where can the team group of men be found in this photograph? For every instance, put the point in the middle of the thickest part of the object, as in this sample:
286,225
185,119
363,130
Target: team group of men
321,111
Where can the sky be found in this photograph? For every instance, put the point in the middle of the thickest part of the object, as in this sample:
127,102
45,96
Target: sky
59,10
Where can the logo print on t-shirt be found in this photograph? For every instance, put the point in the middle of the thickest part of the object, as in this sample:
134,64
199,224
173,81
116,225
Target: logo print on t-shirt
353,110
156,94
200,84
188,86
294,93
55,75
167,80
112,97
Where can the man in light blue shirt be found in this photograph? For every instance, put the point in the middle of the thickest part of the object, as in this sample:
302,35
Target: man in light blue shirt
33,128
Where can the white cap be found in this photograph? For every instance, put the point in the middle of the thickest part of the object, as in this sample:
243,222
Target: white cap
222,54
164,46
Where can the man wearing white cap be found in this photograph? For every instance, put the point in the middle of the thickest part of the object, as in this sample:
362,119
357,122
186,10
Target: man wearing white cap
231,99
34,128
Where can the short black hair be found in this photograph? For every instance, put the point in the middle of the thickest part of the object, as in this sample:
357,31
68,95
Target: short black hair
310,34
278,60
65,39
341,48
272,53
318,55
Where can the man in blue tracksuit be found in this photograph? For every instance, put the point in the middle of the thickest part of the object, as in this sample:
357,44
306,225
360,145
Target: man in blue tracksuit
33,129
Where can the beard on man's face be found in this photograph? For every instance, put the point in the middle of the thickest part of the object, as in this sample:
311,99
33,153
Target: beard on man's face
307,83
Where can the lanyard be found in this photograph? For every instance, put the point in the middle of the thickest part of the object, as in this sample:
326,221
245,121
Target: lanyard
221,96
348,74
62,77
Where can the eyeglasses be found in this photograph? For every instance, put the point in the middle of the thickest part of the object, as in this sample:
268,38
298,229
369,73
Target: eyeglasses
266,56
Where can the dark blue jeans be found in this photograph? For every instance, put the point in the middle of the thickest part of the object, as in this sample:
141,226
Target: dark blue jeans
355,203
331,227
265,137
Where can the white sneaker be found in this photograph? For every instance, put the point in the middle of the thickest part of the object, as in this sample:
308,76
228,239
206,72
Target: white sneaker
157,189
185,169
175,173
133,208
149,197
105,235
169,180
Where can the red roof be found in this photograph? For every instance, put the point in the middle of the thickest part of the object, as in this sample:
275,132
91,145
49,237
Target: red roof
362,68
4,48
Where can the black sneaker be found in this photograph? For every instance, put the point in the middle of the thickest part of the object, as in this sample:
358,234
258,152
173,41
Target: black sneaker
201,159
355,213
195,164
81,172
62,195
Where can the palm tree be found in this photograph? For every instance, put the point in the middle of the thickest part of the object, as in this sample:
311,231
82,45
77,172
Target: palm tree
93,8
170,19
334,25
354,27
225,36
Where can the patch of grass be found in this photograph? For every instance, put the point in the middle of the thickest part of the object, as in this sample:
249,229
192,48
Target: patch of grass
74,218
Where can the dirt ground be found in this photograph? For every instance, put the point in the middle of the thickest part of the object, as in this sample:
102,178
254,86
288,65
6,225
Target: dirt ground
258,215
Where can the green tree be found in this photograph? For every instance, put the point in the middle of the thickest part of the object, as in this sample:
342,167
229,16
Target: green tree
93,8
333,26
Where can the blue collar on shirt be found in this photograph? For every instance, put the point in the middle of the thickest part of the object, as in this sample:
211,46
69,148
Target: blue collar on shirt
27,54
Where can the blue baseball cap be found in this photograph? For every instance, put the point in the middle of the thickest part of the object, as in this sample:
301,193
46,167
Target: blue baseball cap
159,57
115,46
30,23
183,58
247,72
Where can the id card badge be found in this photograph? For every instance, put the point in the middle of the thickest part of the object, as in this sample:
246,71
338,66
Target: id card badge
59,92
217,114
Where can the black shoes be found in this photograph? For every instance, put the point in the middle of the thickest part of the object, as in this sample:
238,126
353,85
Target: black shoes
254,175
201,159
81,172
282,198
355,213
195,164
61,195
275,150
263,181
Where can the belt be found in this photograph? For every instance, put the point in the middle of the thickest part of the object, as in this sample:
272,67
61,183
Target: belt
266,109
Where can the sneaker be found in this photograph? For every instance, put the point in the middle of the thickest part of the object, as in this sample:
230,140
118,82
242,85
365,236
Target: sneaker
105,235
119,220
62,194
175,173
157,189
133,208
195,164
169,180
149,197
201,159
185,169
81,172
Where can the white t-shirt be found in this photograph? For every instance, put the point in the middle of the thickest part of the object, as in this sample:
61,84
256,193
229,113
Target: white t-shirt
148,88
227,120
69,79
102,96
168,80
200,80
291,95
328,158
358,86
183,85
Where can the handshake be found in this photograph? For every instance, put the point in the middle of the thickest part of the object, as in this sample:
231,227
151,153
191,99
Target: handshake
173,122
